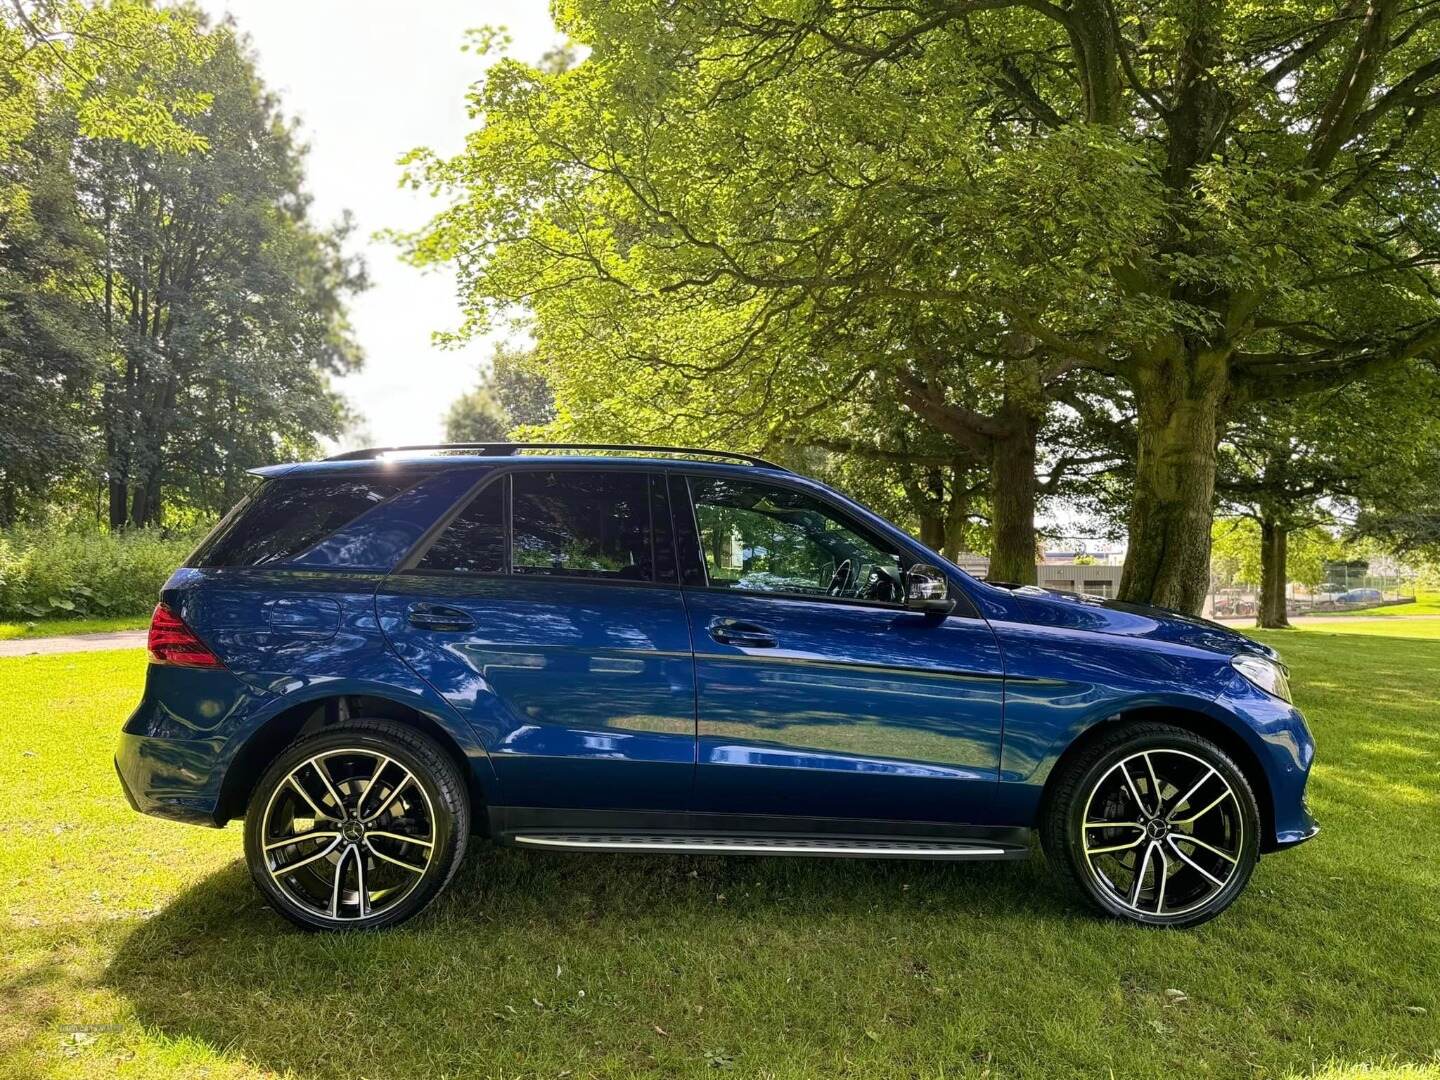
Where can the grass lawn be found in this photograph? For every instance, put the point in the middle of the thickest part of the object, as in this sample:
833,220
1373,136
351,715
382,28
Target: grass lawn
137,948
33,628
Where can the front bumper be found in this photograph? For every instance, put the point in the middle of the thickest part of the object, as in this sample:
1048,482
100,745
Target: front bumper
1282,742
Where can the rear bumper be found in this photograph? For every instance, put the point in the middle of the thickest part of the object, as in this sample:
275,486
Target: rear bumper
170,778
176,745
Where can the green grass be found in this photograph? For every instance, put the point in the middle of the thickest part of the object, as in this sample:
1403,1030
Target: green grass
148,938
35,628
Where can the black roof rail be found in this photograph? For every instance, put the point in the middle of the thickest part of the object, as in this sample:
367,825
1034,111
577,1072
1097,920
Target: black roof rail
506,449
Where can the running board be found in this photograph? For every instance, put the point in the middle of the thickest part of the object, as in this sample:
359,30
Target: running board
869,847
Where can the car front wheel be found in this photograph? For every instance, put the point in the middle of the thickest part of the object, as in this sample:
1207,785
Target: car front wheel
356,827
1154,824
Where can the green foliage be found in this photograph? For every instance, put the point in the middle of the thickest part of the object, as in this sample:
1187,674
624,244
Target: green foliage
59,573
511,395
169,315
1236,553
111,65
755,224
477,417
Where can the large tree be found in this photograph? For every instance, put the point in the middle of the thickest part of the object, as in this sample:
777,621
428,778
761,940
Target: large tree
1214,204
69,70
221,304
1367,449
169,315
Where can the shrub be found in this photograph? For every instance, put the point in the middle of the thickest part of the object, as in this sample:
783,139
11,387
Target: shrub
54,573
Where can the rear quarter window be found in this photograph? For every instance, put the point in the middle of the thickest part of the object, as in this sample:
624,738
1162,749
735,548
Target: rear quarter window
285,517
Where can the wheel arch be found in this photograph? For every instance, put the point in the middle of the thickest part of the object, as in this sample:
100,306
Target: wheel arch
317,714
1194,720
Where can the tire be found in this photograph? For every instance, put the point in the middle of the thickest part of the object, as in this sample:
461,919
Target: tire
1192,865
400,830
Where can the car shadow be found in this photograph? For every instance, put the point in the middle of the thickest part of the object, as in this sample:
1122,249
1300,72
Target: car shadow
216,960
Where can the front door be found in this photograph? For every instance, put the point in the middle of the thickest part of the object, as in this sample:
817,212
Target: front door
818,693
548,614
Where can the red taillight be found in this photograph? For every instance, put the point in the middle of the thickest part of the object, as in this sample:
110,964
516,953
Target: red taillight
174,643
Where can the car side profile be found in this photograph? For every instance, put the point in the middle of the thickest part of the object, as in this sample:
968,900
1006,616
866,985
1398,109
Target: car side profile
373,658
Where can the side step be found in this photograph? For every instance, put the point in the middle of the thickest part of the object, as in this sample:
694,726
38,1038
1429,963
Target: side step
851,847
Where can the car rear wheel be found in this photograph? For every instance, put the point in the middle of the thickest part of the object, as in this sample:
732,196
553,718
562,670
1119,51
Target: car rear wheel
1154,824
357,827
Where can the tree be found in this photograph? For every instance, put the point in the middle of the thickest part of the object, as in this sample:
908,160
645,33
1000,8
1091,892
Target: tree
222,306
102,71
1213,205
48,342
509,396
477,417
1299,465
109,64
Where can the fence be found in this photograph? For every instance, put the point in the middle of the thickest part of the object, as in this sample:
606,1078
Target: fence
1348,593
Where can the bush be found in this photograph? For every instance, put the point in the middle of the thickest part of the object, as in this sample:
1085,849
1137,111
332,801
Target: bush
57,573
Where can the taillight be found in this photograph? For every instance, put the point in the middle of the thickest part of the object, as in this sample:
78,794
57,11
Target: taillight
174,643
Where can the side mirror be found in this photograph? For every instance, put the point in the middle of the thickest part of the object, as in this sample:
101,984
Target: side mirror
927,589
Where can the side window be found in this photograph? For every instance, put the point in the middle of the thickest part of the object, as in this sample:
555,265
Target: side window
758,537
283,518
582,524
474,543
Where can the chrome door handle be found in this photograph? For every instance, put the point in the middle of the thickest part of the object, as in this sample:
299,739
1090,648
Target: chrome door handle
439,617
734,632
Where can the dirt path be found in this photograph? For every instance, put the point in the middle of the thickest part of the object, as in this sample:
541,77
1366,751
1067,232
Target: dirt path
47,646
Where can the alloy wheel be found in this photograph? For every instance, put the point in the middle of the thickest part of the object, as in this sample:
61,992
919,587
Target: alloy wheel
348,834
1162,833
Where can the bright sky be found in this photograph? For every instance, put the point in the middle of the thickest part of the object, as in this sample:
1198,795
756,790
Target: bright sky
368,80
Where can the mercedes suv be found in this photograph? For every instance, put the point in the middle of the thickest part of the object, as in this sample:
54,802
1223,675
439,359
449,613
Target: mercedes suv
374,658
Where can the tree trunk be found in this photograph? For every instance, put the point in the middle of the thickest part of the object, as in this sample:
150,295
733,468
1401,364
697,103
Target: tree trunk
932,529
119,505
1167,561
1012,500
1274,542
957,515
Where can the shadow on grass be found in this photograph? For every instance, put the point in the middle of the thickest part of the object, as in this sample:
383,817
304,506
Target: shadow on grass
217,965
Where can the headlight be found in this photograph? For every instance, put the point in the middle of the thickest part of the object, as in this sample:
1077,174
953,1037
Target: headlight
1266,674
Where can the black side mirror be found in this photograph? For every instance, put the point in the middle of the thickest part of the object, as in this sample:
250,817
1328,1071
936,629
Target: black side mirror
927,589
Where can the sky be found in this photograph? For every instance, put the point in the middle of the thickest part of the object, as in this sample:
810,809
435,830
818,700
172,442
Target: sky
369,80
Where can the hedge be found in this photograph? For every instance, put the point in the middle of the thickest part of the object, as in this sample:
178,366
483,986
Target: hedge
48,574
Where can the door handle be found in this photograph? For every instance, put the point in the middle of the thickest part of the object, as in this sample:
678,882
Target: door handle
438,617
734,632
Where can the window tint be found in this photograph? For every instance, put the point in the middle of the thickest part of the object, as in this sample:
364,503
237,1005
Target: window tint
283,518
582,524
474,543
762,538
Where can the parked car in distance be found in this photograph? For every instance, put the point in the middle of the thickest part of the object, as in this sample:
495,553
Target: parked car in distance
1362,596
374,658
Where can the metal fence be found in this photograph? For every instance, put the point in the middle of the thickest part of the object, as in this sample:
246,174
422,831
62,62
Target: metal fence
1349,593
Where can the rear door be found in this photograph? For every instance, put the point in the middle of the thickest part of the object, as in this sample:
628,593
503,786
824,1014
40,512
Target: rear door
548,612
818,693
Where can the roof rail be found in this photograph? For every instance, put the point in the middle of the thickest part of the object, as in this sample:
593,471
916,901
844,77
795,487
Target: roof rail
506,449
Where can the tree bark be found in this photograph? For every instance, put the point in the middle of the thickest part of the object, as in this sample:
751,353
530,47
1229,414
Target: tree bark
1167,562
1274,543
956,515
932,529
1012,499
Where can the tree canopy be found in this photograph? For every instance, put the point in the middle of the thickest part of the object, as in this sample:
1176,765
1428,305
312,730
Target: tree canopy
734,218
169,314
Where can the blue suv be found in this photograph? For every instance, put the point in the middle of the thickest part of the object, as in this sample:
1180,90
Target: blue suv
646,649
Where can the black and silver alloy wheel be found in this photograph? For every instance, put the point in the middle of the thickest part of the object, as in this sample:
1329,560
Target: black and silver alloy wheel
356,827
1156,825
